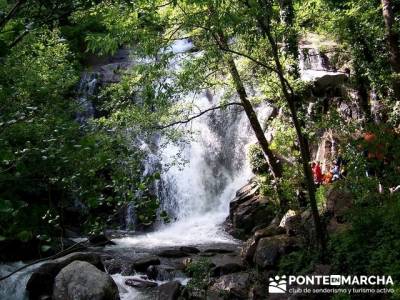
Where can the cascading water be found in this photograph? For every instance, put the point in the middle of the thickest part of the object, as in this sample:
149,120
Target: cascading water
197,195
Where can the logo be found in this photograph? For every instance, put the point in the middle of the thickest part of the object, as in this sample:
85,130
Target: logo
277,285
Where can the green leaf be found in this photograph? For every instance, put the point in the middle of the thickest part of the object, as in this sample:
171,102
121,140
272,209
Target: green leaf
24,235
45,248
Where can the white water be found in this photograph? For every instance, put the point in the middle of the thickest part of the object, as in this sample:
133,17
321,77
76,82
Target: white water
13,288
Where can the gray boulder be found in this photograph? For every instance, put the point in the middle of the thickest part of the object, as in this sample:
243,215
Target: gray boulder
83,281
42,279
270,249
142,264
169,291
248,210
234,286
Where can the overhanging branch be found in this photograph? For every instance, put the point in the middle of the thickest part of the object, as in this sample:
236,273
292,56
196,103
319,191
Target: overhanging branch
198,115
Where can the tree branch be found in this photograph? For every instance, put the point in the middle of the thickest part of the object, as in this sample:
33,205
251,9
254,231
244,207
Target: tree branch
198,115
11,13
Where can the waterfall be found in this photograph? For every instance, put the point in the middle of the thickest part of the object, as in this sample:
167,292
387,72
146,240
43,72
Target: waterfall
86,89
197,194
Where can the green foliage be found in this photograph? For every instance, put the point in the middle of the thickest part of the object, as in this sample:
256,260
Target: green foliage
256,158
297,262
374,232
320,196
199,271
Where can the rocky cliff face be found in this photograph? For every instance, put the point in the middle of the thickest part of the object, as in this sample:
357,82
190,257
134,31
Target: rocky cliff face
249,210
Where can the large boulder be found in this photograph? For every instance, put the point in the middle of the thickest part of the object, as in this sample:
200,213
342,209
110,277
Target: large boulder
169,291
143,263
329,81
42,279
233,286
270,249
82,281
248,210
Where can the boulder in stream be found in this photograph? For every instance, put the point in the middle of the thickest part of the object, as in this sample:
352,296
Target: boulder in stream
41,281
142,264
83,281
169,291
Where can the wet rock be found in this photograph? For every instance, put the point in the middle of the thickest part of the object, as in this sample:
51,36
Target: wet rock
234,286
113,266
82,281
207,254
160,272
169,291
218,250
225,269
188,249
173,253
100,240
42,279
140,283
269,250
142,264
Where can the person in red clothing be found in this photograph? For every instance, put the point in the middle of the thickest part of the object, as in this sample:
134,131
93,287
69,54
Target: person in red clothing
317,173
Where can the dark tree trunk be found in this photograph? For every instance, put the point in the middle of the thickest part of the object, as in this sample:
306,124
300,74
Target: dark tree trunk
392,38
11,13
290,98
274,165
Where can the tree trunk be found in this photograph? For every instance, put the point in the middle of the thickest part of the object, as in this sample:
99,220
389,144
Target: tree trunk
302,139
274,165
248,108
11,13
392,38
